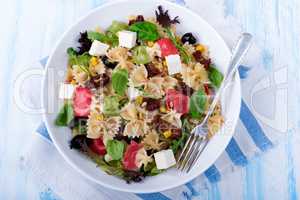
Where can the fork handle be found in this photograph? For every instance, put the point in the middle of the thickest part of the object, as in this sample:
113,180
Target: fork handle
238,53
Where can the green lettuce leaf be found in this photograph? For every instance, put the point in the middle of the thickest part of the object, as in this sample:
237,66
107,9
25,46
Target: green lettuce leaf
65,115
75,59
93,35
215,76
115,149
146,31
119,81
111,106
197,104
116,26
140,55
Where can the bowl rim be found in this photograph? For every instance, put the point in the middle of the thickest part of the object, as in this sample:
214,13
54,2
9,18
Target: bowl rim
61,151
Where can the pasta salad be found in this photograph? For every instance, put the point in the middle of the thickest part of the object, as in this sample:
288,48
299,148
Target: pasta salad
134,92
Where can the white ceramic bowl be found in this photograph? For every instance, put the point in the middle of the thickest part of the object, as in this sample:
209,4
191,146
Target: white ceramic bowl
103,16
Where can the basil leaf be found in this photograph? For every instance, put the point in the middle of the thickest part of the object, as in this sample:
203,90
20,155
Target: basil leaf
115,149
116,26
75,59
140,55
111,106
92,35
146,31
197,104
65,115
119,81
215,76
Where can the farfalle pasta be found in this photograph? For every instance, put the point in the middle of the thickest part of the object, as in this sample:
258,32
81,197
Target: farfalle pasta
136,89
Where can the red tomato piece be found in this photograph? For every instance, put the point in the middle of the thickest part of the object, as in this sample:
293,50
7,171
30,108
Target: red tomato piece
98,147
82,101
177,101
167,47
130,156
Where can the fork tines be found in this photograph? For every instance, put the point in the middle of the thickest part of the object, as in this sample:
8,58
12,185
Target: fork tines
191,152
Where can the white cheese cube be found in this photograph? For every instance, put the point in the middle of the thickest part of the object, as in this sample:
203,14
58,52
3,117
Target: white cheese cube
66,91
98,48
164,159
133,93
127,39
174,64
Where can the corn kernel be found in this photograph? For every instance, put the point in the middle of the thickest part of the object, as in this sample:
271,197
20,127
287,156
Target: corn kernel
94,61
150,44
100,117
73,82
139,100
167,134
165,63
163,109
201,48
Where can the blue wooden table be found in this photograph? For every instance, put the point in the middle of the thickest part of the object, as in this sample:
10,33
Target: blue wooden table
29,29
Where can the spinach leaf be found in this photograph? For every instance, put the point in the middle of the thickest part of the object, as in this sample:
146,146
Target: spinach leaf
146,31
197,104
115,149
140,55
119,81
75,59
65,115
215,76
111,105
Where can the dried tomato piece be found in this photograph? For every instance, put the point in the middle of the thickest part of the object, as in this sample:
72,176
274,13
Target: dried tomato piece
152,70
97,146
151,104
200,58
100,80
185,89
139,18
206,89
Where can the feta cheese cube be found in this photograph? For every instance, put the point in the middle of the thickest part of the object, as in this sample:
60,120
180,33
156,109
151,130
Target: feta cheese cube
98,48
164,159
174,64
133,93
127,39
66,91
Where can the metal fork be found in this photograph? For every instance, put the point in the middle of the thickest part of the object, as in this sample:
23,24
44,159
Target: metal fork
198,140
